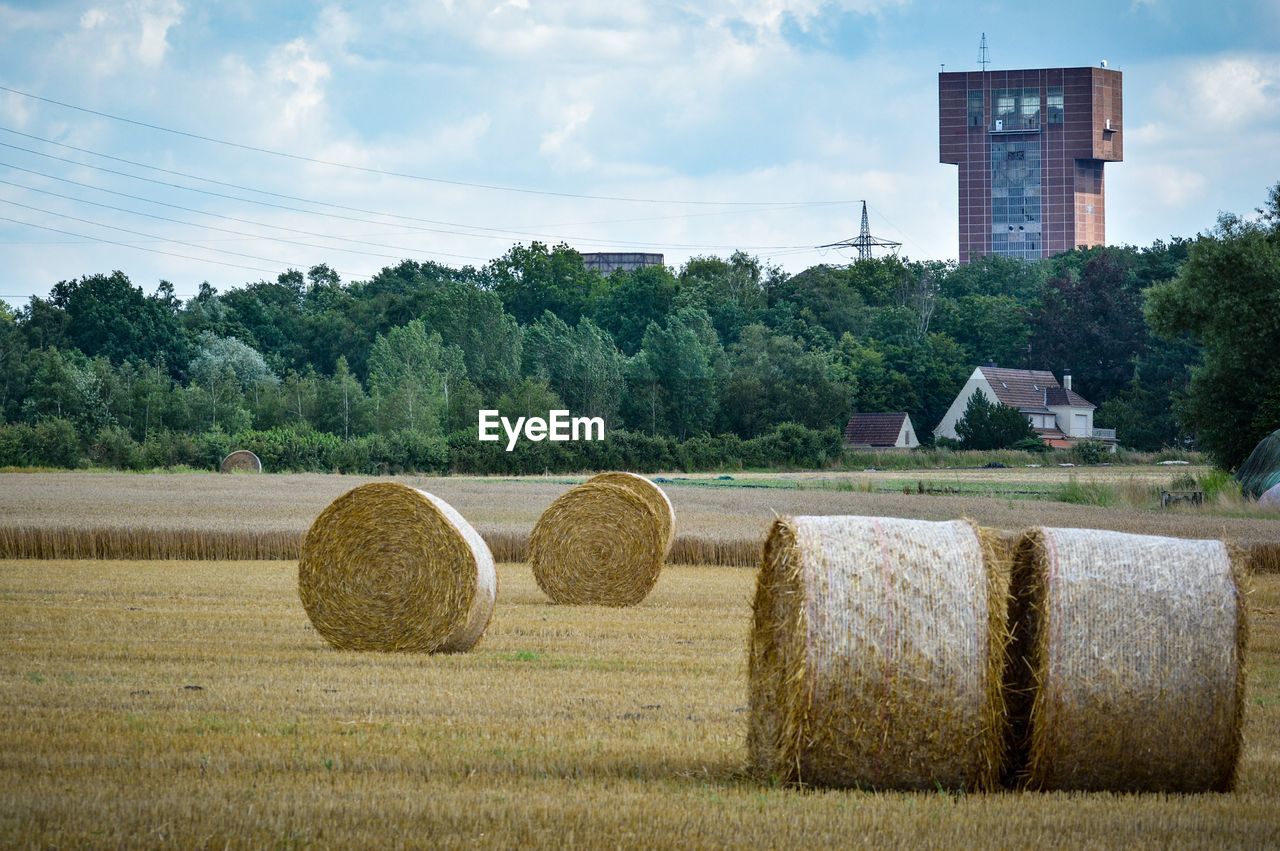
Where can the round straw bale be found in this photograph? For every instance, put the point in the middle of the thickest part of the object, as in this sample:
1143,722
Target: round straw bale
598,544
877,654
241,461
647,490
390,567
1136,661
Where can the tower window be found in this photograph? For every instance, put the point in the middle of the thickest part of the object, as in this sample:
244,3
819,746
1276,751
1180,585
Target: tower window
1054,104
975,108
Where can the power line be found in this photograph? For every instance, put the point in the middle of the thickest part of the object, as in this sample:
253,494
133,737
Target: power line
501,234
220,216
368,170
151,235
135,247
243,188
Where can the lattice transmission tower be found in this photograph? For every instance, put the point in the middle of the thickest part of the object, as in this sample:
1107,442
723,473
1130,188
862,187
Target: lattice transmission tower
864,242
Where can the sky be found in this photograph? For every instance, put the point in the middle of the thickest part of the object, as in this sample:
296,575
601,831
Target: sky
360,134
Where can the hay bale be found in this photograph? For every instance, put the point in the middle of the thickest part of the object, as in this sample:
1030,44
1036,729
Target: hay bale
241,461
1135,659
390,567
877,654
647,490
598,544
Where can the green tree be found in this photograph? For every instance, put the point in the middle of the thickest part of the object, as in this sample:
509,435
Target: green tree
988,425
773,379
629,301
533,279
581,365
674,376
411,373
1227,298
107,315
1090,320
342,405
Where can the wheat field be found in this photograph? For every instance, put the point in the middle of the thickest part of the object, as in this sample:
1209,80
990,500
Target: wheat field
189,704
265,510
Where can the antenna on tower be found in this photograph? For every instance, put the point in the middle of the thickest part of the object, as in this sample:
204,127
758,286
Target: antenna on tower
984,55
864,242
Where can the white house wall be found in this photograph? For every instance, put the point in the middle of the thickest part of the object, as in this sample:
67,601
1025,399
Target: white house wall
977,381
1067,421
907,435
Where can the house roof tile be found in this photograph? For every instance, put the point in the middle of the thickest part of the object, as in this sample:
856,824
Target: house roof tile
874,429
1030,389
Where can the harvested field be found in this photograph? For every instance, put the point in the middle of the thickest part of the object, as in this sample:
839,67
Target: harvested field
189,704
716,522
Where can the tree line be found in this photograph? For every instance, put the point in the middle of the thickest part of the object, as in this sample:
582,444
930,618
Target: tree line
733,358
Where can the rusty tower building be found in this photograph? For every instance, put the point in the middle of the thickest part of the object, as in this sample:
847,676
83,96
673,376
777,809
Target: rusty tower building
1030,145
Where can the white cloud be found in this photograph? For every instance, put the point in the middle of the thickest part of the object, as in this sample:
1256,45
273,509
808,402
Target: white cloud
572,117
1236,90
1170,185
127,34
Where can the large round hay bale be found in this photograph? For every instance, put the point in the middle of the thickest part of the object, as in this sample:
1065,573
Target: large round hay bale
877,654
647,490
598,544
390,567
241,461
1136,661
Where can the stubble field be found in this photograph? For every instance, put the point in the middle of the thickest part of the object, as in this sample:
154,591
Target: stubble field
190,704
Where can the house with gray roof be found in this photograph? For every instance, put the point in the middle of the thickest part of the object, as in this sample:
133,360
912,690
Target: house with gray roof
1059,415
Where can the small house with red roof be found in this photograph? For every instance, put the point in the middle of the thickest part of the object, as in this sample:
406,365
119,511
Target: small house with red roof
881,431
1059,415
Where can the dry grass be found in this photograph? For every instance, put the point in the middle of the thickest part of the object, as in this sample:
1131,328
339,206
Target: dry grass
709,519
566,727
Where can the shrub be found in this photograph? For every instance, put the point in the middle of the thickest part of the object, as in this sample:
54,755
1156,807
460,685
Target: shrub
51,442
113,447
1090,452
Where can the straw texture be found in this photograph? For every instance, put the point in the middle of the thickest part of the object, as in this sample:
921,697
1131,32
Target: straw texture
877,654
1136,661
598,544
647,490
389,567
241,461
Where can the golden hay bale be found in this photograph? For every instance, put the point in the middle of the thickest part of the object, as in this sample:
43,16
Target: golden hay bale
390,567
647,490
598,544
1135,657
877,654
241,461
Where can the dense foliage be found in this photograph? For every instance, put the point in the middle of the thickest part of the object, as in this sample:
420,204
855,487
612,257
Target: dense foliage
1226,297
723,362
991,425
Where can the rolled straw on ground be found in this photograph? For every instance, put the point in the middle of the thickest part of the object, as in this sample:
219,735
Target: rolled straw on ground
877,654
1135,660
650,493
598,544
390,567
241,461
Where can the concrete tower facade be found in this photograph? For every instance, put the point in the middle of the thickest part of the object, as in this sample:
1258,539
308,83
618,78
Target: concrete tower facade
1030,146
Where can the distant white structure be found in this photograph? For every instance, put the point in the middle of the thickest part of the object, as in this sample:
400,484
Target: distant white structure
1059,415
